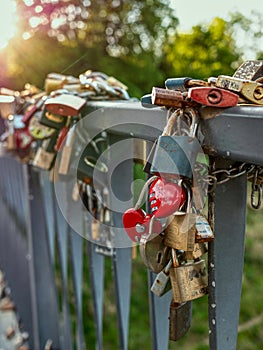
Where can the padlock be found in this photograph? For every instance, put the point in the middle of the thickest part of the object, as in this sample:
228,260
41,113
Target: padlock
10,142
52,120
213,97
179,84
7,105
91,161
146,101
37,130
199,250
251,90
149,159
250,70
45,155
186,229
165,197
63,133
175,155
33,109
136,223
180,316
180,233
189,281
203,232
65,105
166,97
154,253
64,162
161,283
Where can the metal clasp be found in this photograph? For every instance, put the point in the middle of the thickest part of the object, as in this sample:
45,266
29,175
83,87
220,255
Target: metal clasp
256,193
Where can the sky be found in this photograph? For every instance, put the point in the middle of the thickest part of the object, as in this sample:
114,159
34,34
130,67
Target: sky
192,12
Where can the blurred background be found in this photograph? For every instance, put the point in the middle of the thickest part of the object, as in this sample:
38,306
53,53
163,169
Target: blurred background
141,43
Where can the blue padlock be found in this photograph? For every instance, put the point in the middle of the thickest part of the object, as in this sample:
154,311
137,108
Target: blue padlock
179,84
175,155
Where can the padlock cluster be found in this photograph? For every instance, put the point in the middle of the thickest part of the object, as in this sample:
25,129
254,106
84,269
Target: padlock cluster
35,123
174,235
221,92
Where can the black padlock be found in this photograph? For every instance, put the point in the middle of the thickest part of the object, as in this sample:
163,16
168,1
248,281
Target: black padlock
91,161
179,84
175,155
179,319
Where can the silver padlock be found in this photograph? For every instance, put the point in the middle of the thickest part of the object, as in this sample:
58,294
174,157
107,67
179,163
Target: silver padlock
160,284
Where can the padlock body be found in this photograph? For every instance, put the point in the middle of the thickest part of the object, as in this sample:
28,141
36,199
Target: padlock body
204,232
177,83
154,253
44,159
180,233
161,284
180,317
189,281
175,155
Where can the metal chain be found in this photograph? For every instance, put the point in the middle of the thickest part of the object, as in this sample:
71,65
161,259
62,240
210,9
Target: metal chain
221,176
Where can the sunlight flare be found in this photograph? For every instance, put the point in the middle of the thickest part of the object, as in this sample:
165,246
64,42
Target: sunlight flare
8,22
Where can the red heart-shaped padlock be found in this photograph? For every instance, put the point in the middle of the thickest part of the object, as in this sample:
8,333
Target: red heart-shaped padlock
166,197
136,223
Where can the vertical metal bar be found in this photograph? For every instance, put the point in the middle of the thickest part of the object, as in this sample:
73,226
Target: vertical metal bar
62,231
44,298
121,260
96,272
14,253
76,248
226,259
49,211
76,240
122,265
159,313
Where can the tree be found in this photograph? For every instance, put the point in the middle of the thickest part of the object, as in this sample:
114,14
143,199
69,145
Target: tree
248,33
205,51
119,37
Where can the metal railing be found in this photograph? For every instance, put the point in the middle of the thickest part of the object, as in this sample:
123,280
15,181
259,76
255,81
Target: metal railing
36,240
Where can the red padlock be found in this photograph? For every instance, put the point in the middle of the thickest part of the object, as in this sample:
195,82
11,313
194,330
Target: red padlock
166,197
23,138
214,97
136,223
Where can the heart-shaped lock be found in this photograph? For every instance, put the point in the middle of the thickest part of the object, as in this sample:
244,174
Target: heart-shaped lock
136,223
166,197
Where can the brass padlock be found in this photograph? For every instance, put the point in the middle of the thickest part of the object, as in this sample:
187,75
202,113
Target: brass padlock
199,250
186,229
11,142
45,155
189,281
250,90
154,253
180,233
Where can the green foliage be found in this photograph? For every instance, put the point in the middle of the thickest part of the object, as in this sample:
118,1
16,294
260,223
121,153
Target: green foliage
205,51
248,33
119,37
